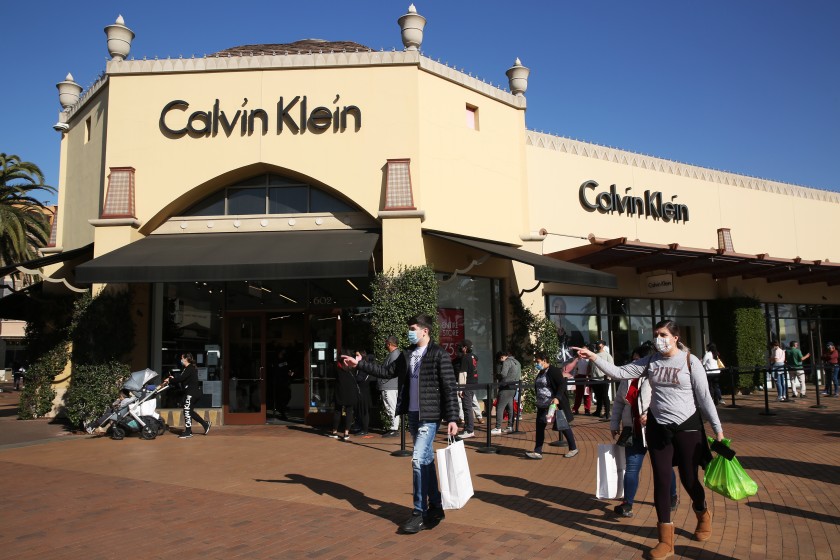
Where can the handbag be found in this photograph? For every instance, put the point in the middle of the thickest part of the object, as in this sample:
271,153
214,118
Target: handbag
728,478
454,475
610,475
560,421
626,437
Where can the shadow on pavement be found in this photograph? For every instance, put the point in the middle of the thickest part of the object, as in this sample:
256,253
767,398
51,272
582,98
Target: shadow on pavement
388,511
789,467
796,512
577,518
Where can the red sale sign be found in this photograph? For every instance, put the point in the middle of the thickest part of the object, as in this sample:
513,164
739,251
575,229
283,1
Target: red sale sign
451,323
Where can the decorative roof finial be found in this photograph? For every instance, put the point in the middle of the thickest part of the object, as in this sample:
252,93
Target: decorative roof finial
411,26
518,78
119,39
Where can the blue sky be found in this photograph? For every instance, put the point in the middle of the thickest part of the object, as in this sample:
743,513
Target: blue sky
747,87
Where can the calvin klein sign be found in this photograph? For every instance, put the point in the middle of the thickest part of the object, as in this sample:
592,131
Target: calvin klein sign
650,204
291,115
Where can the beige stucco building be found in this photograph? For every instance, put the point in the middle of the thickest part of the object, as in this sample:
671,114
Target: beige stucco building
247,199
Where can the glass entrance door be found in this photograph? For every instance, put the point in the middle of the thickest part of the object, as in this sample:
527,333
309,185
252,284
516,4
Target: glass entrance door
245,368
324,337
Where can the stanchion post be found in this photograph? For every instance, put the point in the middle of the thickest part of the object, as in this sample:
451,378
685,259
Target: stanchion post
817,386
766,396
402,451
517,400
733,378
488,407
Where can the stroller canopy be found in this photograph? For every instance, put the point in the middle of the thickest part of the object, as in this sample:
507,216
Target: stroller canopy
139,379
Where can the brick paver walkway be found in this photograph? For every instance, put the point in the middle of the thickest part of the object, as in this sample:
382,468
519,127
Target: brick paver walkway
290,492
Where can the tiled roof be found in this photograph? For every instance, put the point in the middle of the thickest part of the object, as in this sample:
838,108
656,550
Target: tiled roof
306,46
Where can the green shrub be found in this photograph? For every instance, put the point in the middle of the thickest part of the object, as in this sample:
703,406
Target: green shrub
92,389
37,397
737,326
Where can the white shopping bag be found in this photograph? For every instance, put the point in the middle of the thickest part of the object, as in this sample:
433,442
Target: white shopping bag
611,467
454,475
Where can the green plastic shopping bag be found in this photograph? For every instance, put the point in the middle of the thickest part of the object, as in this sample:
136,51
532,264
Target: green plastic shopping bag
728,478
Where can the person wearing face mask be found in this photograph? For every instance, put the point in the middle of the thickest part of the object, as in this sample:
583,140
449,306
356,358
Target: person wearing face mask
550,388
426,392
187,381
674,426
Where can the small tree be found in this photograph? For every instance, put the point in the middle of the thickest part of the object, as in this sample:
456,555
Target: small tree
102,333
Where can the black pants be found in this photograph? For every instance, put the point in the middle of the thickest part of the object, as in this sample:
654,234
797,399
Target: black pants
540,427
466,405
603,396
190,414
348,418
685,451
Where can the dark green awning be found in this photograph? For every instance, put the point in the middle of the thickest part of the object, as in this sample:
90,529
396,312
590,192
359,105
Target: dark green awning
546,269
235,256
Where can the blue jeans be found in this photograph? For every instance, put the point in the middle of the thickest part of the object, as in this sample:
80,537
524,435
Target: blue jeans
426,491
779,377
635,456
835,378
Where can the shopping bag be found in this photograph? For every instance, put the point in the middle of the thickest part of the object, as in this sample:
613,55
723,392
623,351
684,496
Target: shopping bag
728,478
611,467
454,475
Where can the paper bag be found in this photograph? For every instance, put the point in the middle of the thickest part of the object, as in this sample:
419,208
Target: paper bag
454,475
611,467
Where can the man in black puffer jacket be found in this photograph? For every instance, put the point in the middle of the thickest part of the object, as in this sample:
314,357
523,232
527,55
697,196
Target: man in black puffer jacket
427,393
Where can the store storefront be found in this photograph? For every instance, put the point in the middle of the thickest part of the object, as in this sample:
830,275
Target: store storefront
250,197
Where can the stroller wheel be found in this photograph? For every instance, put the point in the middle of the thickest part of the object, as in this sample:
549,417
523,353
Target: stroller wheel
117,432
148,432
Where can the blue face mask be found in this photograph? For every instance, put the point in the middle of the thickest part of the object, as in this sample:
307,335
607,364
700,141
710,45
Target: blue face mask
538,366
412,337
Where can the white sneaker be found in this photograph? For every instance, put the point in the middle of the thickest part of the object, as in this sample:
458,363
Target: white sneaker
571,454
466,435
533,455
496,431
508,430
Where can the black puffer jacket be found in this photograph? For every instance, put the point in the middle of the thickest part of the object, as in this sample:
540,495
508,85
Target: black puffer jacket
438,399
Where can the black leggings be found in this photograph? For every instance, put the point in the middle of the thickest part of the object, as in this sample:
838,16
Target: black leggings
190,414
685,451
348,419
541,425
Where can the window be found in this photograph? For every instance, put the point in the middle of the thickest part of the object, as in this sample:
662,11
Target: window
472,117
268,194
87,130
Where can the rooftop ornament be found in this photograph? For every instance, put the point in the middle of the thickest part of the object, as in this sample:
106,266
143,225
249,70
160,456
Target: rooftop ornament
68,92
119,39
411,26
518,78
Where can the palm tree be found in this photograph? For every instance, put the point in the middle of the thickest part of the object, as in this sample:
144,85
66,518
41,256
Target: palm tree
24,220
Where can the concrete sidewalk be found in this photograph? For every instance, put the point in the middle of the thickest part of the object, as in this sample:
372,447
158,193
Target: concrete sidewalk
291,492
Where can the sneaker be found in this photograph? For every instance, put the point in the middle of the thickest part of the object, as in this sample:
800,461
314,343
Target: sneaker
185,435
414,524
587,413
335,435
571,454
507,430
624,510
496,431
207,427
533,455
675,501
433,517
344,438
466,435
389,434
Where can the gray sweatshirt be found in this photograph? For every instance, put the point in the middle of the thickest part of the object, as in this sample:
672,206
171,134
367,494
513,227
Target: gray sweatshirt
672,400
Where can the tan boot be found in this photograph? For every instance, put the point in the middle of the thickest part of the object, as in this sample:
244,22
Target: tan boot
665,548
704,525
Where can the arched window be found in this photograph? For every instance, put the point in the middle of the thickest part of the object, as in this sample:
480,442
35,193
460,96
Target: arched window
268,194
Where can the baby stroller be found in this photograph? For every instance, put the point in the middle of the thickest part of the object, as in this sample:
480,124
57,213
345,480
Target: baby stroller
135,410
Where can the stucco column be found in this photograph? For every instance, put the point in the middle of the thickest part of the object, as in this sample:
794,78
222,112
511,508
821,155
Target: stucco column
402,240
